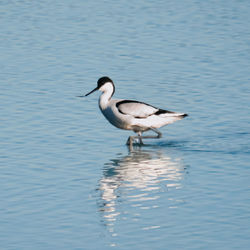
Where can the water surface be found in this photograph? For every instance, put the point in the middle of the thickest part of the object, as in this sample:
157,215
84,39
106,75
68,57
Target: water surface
68,181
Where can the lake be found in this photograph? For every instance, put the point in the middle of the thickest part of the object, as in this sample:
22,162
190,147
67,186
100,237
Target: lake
68,181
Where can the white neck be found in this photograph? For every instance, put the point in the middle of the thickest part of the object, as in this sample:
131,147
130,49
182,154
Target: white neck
107,90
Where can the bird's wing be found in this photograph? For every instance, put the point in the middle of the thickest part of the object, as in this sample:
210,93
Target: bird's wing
136,109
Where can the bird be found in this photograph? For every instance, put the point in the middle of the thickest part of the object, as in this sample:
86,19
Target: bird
132,115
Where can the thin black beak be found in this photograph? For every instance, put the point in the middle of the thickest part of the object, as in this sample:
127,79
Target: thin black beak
89,92
92,91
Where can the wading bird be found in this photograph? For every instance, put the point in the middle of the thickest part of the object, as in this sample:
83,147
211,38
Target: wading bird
132,115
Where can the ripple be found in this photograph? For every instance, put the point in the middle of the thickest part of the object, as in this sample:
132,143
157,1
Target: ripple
139,180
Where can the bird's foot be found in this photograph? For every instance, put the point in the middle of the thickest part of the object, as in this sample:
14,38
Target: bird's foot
134,139
159,135
139,140
128,141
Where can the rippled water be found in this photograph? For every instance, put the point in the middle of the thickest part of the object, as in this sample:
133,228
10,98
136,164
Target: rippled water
68,181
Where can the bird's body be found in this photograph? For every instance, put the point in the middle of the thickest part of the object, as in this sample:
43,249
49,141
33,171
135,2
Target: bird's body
132,115
136,116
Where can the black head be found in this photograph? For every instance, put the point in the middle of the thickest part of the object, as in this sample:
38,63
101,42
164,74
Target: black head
103,80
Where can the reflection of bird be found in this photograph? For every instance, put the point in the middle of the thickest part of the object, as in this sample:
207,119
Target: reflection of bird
132,115
141,169
138,177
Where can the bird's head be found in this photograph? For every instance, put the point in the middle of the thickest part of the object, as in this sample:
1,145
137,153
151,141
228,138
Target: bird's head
104,84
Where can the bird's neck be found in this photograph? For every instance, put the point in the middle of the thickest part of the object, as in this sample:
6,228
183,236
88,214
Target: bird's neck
108,90
105,98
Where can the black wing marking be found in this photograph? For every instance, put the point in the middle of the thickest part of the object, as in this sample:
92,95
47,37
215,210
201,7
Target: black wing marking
138,109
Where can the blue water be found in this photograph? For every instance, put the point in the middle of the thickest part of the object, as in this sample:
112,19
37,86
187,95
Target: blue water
67,179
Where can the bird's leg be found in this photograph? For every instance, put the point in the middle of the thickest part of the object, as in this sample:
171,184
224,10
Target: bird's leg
130,142
140,137
132,138
159,134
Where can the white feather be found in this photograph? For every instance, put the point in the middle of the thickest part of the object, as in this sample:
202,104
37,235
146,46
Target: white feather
136,109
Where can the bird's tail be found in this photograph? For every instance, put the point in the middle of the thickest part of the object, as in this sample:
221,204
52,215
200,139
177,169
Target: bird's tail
169,118
174,114
182,115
